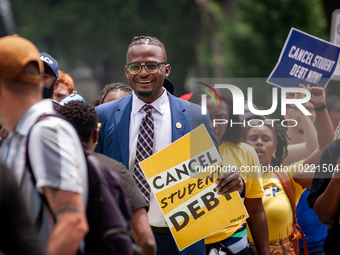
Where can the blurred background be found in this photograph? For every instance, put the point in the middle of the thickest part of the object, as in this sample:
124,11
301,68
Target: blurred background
203,38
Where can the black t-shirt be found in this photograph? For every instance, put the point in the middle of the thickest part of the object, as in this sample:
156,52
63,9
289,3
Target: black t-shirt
322,177
17,236
133,193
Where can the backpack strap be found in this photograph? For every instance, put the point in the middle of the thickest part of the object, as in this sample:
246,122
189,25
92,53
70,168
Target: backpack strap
297,232
28,166
287,185
114,231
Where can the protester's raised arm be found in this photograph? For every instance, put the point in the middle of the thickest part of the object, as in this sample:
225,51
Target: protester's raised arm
301,151
324,136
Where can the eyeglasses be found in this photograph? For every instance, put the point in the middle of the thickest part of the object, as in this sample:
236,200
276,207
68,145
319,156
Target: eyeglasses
150,67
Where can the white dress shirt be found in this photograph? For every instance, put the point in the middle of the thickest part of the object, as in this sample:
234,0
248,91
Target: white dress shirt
162,138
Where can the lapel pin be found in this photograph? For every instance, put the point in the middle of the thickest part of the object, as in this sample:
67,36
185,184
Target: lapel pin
178,125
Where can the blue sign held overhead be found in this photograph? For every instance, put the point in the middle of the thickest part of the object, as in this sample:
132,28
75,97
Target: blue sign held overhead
305,59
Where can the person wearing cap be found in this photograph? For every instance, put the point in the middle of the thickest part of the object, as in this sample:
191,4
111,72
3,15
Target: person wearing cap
73,97
45,154
65,92
122,119
50,75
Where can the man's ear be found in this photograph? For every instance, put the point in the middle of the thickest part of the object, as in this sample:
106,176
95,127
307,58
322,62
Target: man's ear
126,72
167,70
56,84
95,136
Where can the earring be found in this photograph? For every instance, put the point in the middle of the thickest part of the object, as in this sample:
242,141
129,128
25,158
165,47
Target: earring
274,156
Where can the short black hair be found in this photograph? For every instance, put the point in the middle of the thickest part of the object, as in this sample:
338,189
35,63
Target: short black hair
144,39
82,116
111,87
233,133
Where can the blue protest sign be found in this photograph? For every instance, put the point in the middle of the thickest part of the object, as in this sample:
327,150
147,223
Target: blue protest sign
305,59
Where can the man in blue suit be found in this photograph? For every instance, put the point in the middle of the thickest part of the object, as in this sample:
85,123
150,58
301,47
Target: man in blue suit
172,118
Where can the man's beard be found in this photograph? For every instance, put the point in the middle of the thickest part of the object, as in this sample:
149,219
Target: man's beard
145,93
48,92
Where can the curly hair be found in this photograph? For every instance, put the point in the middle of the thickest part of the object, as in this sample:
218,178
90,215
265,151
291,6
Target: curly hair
82,116
111,87
233,133
280,139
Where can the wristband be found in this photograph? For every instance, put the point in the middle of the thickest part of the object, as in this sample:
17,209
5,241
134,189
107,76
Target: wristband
320,108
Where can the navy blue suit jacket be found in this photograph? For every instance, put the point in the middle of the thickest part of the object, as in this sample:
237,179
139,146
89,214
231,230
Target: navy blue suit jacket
115,119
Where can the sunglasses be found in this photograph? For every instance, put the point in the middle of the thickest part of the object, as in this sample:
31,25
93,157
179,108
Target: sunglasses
150,67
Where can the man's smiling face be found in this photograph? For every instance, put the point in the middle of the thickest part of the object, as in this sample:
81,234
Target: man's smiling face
147,86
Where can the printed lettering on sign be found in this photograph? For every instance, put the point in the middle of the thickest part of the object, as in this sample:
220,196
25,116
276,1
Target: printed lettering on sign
186,194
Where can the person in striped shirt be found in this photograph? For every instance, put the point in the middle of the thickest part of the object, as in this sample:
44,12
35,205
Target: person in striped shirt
52,174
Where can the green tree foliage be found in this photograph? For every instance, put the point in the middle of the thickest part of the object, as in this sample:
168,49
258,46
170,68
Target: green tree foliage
203,38
260,29
258,34
86,32
253,38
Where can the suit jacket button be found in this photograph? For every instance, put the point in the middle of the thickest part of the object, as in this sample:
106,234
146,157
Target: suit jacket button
178,125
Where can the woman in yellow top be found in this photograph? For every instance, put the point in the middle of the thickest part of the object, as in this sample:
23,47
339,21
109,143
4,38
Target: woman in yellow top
235,154
270,142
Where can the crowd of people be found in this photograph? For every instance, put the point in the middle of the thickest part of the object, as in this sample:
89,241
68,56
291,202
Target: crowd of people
71,183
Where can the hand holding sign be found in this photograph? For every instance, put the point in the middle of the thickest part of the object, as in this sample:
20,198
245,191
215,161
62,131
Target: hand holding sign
183,179
318,95
229,182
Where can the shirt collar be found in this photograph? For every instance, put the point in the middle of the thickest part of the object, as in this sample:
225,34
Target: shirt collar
32,115
159,104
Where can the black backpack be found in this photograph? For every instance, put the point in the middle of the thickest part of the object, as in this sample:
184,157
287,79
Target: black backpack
107,212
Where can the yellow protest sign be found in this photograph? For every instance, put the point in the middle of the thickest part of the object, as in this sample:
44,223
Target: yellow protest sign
182,177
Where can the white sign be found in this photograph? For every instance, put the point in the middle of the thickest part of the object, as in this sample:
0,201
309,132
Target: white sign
335,38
